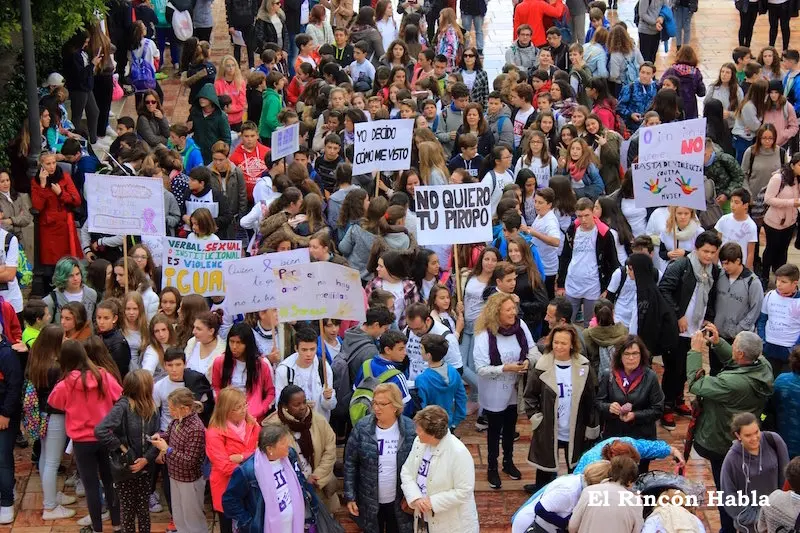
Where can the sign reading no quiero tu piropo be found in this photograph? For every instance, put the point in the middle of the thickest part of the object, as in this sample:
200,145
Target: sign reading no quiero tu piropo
453,214
382,145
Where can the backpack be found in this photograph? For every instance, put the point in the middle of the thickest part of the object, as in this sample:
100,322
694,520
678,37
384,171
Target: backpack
619,124
290,373
361,402
631,71
758,207
342,380
636,14
181,23
142,74
24,268
562,24
33,420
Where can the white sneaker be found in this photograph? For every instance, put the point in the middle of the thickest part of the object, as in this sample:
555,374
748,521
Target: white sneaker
64,499
80,492
154,504
6,515
87,520
110,132
58,513
72,480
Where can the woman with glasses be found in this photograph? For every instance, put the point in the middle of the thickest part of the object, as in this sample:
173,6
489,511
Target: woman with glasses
152,124
143,258
372,471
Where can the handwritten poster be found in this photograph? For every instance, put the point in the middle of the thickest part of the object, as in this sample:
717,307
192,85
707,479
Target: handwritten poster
320,290
453,214
125,205
251,284
196,267
382,145
670,170
285,141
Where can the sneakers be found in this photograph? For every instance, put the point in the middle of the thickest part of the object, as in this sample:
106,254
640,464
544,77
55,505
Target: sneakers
171,527
72,480
481,424
516,436
80,492
511,470
668,421
494,478
58,513
87,520
6,515
155,504
683,410
64,499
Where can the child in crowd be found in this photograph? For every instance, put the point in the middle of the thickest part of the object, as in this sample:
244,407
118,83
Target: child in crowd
35,315
107,321
440,384
738,227
778,325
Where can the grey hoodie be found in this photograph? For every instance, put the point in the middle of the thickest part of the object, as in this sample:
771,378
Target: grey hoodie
738,303
358,347
335,204
451,119
506,133
649,11
356,246
526,58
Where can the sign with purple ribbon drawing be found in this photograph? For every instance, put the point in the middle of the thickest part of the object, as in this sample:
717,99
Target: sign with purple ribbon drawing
125,205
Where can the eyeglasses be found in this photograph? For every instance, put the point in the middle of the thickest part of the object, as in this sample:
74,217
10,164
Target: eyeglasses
381,404
151,102
469,55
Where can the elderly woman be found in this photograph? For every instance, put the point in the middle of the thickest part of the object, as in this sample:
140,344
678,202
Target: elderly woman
372,472
630,400
559,400
268,492
503,345
16,213
438,478
313,440
69,281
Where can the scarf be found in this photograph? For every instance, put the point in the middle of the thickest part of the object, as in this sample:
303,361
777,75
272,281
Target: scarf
704,281
266,482
574,172
518,332
686,234
626,381
240,429
303,427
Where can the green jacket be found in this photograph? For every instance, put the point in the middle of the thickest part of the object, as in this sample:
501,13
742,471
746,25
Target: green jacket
725,172
272,105
736,389
209,129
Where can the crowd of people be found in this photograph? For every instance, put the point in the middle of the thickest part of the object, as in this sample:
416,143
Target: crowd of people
559,316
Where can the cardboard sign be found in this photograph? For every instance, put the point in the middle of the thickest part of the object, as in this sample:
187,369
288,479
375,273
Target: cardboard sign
285,141
125,205
453,214
320,290
251,283
670,170
382,145
196,267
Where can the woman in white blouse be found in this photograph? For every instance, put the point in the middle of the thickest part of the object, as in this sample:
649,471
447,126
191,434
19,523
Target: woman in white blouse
206,344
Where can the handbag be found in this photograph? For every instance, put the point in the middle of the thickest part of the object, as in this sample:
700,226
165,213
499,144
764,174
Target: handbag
326,523
123,457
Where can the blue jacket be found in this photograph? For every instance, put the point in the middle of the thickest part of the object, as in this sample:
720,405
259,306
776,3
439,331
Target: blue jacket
191,155
379,365
499,242
648,449
243,502
450,395
773,351
593,185
590,33
785,403
792,91
635,98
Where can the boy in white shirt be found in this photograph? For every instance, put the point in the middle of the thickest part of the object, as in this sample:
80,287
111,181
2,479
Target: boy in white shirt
304,369
738,227
779,323
361,71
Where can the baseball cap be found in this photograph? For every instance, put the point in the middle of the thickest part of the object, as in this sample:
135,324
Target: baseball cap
54,79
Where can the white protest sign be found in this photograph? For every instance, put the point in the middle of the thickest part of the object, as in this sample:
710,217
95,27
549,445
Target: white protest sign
285,141
156,245
251,283
125,205
382,145
453,214
320,290
195,267
670,170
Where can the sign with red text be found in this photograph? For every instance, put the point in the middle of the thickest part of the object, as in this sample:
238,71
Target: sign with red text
196,267
670,170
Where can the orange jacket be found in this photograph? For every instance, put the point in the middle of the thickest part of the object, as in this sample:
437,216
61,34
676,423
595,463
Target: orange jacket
532,13
220,445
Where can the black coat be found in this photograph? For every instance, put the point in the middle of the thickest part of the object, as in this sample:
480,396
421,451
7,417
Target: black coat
118,348
240,14
605,250
77,76
678,284
647,400
197,382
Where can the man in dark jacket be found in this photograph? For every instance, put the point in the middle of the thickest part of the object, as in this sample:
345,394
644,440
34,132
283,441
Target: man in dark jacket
10,416
689,285
209,122
241,16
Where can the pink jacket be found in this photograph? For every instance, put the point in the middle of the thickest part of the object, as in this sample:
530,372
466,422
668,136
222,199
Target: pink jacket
260,399
238,97
82,403
782,212
785,122
220,445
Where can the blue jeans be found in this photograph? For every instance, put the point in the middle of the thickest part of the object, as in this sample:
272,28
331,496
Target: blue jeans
683,23
467,346
741,144
50,458
7,437
467,21
162,35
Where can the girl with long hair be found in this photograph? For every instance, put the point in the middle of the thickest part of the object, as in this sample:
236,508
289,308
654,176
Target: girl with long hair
667,104
206,344
267,332
204,227
781,114
427,271
286,206
384,20
243,368
530,286
86,395
677,239
635,216
162,337
191,306
144,49
143,257
475,123
397,57
432,166
749,116
79,63
231,437
547,235
579,116
581,167
440,302
717,128
134,327
353,209
605,105
564,202
622,51
152,124
536,157
75,322
107,319
770,61
392,276
563,98
136,281
475,78
449,38
763,159
356,245
321,248
230,82
783,198
546,124
127,428
169,303
527,183
607,210
99,355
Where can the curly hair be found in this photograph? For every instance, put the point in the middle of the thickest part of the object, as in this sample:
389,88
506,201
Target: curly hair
489,319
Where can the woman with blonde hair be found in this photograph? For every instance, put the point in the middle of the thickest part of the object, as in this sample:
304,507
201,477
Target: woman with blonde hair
502,347
621,52
162,336
432,166
677,239
231,437
449,38
124,431
134,327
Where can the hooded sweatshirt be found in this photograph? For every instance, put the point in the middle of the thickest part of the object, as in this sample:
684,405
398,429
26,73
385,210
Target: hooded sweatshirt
357,347
762,473
356,247
442,386
190,155
525,57
82,402
738,303
691,86
501,126
210,128
600,341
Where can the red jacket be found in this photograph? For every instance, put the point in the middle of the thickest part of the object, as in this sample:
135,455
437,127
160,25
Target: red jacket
251,164
260,399
11,327
57,234
220,445
295,89
82,403
532,13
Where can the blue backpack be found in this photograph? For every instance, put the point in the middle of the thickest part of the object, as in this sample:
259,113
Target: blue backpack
631,73
142,75
562,25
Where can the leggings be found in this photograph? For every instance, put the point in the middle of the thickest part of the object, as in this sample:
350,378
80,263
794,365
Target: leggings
133,500
648,45
249,36
747,20
469,374
387,521
84,100
203,34
225,523
103,89
91,457
776,250
501,426
779,13
674,378
588,309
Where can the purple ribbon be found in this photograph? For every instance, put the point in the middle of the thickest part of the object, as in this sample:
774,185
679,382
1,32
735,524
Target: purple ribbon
148,216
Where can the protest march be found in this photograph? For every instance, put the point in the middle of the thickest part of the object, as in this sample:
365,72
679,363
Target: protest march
422,266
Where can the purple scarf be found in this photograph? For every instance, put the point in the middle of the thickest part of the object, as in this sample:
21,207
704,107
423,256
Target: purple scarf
266,482
626,380
518,332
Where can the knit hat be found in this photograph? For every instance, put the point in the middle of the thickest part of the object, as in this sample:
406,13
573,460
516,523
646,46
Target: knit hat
776,85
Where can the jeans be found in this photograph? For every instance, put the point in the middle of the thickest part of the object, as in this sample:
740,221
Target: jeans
779,13
740,144
387,521
747,22
249,36
674,378
683,23
588,309
91,457
501,425
164,34
477,20
577,22
50,458
467,345
648,45
80,101
726,522
777,249
103,89
7,438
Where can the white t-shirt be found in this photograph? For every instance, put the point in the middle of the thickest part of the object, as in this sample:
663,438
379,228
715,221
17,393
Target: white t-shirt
283,495
741,232
134,339
668,240
13,294
549,226
622,254
564,384
388,440
655,225
417,365
426,288
469,78
473,298
161,391
496,391
239,376
519,124
73,297
625,306
197,363
694,325
564,222
396,289
423,471
783,326
583,275
636,216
